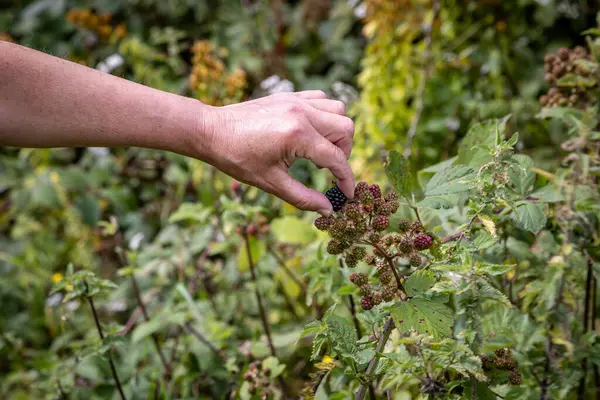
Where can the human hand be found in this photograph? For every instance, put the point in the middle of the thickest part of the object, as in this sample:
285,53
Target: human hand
257,141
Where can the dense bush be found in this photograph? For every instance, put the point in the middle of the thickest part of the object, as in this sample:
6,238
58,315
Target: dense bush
466,269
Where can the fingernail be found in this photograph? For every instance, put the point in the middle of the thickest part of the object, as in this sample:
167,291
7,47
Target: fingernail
324,212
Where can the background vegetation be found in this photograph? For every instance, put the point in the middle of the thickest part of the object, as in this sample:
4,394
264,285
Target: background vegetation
133,273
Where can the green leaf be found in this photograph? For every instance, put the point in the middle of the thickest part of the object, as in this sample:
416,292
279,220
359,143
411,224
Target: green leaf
398,172
435,202
522,178
314,326
424,316
471,151
493,269
529,216
293,230
257,248
451,180
148,328
341,335
419,282
190,302
574,80
194,212
274,365
548,194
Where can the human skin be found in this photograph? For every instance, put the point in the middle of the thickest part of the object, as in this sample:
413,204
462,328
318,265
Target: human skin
47,101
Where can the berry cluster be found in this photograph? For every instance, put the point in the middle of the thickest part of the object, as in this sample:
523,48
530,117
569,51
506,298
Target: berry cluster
356,232
258,380
557,66
99,23
503,360
209,76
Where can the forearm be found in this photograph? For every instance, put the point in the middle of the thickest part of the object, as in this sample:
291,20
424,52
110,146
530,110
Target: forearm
46,101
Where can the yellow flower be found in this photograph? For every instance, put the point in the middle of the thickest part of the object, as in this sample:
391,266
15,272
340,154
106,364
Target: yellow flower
57,277
327,359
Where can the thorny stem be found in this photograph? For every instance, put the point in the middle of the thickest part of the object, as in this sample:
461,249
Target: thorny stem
202,339
138,296
383,338
421,90
391,265
109,353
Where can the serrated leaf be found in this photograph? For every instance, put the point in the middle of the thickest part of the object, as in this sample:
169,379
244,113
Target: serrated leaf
424,316
419,282
484,240
435,202
455,179
148,328
494,269
314,326
194,212
471,151
398,172
574,80
363,356
341,335
548,194
489,225
488,292
522,177
529,216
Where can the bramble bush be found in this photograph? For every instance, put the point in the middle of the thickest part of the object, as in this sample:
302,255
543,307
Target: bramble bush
465,269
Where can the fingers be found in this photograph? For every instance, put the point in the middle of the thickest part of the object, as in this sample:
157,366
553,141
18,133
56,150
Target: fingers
298,195
311,94
338,129
327,155
330,106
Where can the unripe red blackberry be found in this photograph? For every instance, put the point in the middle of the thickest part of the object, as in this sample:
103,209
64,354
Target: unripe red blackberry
335,247
251,229
369,259
323,223
514,378
423,241
563,53
386,209
381,266
377,299
388,292
378,204
366,303
416,226
360,189
359,279
336,197
361,226
393,205
415,260
391,195
375,190
352,211
405,245
380,223
404,225
337,229
368,207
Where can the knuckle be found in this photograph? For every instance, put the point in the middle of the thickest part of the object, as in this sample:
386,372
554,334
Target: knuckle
294,128
303,203
294,108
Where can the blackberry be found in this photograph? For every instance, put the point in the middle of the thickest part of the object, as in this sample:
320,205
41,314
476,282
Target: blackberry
366,303
388,239
380,223
377,299
387,208
388,293
358,278
391,195
374,237
381,252
404,225
415,260
367,197
381,266
352,211
369,259
423,242
360,189
394,205
335,247
486,363
514,378
385,278
337,229
351,261
366,290
405,245
416,226
368,207
359,252
323,223
375,191
336,198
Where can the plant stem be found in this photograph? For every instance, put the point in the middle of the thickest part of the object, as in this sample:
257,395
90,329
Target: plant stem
261,308
586,327
289,272
412,131
154,336
354,318
391,265
202,339
101,334
383,338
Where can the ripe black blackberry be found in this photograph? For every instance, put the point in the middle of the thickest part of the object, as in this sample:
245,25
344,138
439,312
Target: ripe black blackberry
336,197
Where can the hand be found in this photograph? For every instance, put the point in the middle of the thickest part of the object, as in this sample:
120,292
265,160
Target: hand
257,141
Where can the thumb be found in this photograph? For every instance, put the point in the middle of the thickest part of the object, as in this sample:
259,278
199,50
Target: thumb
298,195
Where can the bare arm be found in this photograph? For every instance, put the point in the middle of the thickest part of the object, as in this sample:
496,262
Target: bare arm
46,101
